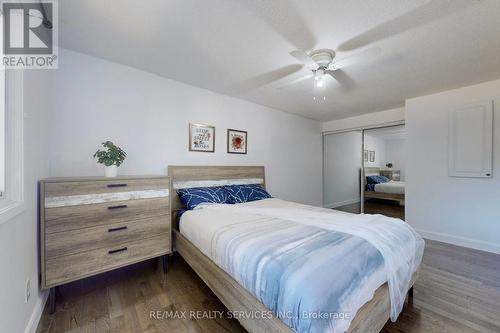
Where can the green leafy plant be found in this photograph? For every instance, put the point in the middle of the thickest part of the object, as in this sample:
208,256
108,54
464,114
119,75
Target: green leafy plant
112,155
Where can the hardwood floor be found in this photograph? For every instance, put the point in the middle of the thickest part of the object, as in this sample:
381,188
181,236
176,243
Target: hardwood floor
121,301
376,206
458,290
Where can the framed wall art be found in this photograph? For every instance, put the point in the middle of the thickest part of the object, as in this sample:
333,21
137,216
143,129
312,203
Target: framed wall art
201,138
236,141
372,156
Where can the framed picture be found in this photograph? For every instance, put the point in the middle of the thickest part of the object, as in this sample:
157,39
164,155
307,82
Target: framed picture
201,138
365,155
236,141
372,156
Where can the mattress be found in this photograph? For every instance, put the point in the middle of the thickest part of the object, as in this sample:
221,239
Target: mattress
314,280
393,187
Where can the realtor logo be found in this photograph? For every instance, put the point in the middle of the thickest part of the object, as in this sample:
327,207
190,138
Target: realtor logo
29,34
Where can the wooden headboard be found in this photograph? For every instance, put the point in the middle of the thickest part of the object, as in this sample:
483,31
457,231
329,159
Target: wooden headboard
183,176
372,171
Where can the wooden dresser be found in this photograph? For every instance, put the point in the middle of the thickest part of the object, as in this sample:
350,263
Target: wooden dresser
93,225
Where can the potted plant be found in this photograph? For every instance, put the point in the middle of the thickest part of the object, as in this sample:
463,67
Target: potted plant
111,157
389,165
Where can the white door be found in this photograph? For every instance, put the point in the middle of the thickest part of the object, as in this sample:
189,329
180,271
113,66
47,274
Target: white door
471,140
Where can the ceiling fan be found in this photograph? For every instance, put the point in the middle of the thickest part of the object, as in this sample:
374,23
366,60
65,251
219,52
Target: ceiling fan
323,65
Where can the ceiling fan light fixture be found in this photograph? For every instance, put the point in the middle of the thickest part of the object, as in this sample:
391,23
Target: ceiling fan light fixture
319,78
319,74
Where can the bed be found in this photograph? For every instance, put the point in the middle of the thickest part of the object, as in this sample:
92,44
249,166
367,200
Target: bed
392,190
192,243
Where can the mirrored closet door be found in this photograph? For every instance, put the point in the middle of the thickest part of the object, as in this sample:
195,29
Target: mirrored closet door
384,171
342,164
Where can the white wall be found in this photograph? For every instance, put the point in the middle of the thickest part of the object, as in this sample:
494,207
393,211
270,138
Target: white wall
367,120
464,211
342,164
373,143
3,136
18,236
395,153
96,100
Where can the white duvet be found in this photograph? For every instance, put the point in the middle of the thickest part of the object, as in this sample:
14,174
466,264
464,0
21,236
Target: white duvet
400,246
392,186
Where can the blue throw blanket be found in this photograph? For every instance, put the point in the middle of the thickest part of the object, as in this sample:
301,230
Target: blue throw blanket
314,268
301,273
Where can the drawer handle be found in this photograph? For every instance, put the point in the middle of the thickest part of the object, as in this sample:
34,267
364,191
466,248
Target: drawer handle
117,229
117,207
117,185
118,250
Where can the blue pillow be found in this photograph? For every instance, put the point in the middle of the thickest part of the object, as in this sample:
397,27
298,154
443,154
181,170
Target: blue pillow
192,197
384,179
370,187
376,179
246,193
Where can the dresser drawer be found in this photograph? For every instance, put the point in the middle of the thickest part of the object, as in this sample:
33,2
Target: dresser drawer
71,267
74,188
83,216
76,241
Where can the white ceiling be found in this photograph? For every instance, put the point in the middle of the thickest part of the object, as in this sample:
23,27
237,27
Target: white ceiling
241,47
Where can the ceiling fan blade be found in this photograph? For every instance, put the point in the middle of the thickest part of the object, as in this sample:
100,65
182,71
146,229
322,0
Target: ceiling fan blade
363,56
284,18
262,80
430,11
304,58
346,83
295,81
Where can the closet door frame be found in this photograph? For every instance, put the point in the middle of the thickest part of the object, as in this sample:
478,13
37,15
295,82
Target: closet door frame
354,129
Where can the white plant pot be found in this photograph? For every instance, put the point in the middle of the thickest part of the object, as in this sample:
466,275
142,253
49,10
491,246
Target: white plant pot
111,171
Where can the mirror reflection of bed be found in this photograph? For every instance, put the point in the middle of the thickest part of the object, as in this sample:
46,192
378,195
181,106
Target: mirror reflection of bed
384,192
383,185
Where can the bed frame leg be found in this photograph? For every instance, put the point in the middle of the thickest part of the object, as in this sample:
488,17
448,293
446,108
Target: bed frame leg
52,300
164,264
410,295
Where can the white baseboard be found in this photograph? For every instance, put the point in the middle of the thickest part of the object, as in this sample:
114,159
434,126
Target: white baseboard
342,203
460,241
37,313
